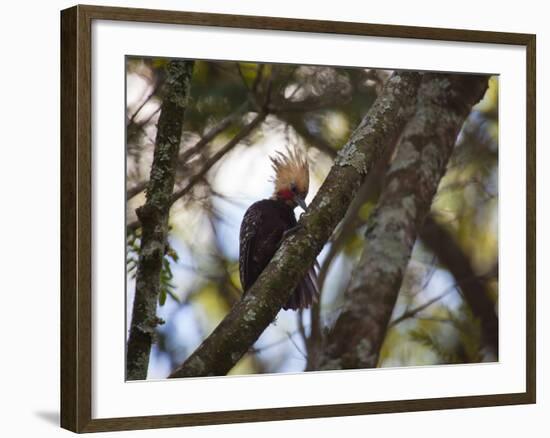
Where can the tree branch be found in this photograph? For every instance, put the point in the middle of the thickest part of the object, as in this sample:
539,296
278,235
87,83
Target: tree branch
313,103
424,149
153,216
313,140
145,101
475,293
249,317
411,313
136,189
369,191
243,133
188,153
260,117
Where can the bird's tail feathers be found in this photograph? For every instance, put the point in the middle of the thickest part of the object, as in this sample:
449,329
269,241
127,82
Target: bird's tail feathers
306,293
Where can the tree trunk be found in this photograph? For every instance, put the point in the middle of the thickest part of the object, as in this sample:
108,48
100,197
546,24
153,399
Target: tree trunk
249,317
153,216
444,102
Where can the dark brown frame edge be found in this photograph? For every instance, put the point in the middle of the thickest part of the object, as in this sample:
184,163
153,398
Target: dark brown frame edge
76,165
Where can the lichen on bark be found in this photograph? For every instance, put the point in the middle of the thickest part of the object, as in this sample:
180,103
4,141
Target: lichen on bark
153,216
233,337
422,154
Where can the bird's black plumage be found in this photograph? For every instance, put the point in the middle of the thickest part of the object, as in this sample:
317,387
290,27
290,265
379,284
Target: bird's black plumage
262,231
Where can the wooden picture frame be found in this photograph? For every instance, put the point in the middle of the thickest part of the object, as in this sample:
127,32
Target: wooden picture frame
76,218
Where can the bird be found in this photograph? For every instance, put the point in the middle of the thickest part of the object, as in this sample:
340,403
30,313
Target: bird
267,222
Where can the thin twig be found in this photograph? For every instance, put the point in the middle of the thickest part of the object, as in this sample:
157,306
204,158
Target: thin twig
147,99
254,88
260,117
296,345
412,312
188,153
316,141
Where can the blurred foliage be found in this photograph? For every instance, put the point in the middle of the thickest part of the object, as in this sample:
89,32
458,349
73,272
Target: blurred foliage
314,108
456,338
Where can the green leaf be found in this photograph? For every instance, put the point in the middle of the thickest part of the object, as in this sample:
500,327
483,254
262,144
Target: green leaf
173,296
162,297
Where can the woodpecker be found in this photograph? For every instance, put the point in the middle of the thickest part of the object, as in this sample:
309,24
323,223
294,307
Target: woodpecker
267,222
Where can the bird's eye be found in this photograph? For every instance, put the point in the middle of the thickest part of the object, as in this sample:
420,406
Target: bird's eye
293,187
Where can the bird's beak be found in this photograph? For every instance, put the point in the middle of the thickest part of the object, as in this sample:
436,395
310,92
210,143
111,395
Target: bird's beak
301,202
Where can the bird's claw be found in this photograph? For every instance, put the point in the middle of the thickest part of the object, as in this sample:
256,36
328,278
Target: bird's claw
291,231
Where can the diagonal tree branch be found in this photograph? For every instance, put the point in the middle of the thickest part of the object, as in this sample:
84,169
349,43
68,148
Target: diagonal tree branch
204,140
422,155
249,317
215,131
473,288
153,216
317,141
260,117
243,133
411,313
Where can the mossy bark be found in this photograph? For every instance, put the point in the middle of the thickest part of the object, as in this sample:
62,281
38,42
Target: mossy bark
249,317
444,102
153,216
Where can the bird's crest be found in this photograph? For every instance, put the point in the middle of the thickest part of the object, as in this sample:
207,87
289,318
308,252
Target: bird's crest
291,169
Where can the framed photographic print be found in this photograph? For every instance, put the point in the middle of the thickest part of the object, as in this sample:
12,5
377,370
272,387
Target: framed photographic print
339,215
